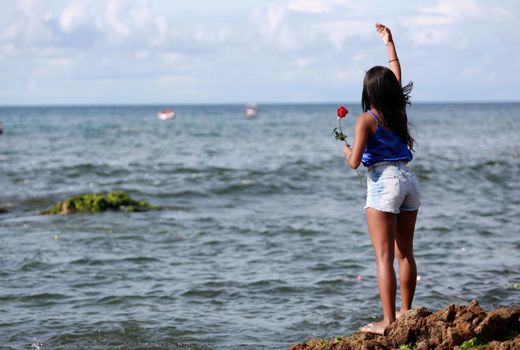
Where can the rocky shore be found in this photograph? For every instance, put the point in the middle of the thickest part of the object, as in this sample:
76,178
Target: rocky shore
454,327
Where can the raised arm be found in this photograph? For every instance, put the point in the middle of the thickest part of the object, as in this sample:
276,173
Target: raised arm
393,61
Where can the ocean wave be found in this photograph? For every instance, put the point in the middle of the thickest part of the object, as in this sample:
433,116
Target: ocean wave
119,299
35,265
43,297
204,293
88,169
110,262
127,335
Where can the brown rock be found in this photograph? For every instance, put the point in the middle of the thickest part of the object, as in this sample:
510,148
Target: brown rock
435,333
454,336
408,328
447,314
443,346
469,313
445,329
423,345
498,323
366,341
513,344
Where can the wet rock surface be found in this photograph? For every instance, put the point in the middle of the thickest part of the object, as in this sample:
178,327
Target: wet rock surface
454,327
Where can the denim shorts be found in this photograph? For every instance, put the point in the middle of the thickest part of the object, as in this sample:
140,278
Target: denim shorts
392,187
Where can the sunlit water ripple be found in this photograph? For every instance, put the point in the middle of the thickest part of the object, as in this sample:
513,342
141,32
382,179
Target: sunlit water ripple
260,241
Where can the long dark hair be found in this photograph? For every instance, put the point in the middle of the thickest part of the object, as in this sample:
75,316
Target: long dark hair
382,91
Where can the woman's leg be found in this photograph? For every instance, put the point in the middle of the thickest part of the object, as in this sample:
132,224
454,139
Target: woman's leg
382,230
404,251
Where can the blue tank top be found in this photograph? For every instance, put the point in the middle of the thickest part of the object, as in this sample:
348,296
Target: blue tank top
384,145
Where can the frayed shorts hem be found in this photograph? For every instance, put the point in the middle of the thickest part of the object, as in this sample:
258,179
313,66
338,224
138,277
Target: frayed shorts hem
415,209
391,211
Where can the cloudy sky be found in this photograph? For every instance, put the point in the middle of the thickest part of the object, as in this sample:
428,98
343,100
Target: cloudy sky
227,51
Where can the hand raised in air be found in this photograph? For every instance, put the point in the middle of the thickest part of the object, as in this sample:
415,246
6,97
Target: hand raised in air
384,32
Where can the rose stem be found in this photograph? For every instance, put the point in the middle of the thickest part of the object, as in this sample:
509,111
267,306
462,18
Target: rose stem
357,171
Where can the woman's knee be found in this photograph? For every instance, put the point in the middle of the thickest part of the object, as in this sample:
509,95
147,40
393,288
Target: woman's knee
403,249
400,256
385,258
405,257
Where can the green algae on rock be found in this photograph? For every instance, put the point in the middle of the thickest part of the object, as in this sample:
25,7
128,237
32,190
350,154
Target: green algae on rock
98,202
454,327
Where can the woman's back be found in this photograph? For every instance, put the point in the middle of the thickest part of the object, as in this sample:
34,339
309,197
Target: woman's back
384,145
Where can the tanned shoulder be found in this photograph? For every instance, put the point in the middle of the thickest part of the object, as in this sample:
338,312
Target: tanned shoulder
367,121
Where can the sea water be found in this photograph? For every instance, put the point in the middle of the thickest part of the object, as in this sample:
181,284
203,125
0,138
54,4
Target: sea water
260,240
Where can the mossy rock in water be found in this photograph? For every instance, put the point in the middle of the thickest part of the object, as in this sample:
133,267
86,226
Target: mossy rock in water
98,202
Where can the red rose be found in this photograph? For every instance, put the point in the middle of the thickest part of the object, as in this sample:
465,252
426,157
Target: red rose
342,112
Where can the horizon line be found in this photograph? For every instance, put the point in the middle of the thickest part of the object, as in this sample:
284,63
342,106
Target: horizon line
145,104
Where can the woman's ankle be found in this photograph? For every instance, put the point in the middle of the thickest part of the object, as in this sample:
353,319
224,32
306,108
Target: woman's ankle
388,320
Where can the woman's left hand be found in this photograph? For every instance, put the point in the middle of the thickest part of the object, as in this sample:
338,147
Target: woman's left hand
346,151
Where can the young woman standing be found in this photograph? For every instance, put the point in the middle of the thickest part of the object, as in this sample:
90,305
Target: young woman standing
383,144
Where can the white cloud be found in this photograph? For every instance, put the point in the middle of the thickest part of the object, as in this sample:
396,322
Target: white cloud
28,25
142,55
75,14
427,21
348,75
316,6
31,86
304,62
162,45
117,19
453,23
277,12
179,80
81,22
481,69
338,32
440,24
359,57
431,36
454,8
274,15
310,6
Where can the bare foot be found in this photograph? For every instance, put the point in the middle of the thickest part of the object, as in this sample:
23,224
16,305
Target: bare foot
375,327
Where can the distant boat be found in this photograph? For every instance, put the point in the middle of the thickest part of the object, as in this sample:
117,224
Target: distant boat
166,114
1,128
250,111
